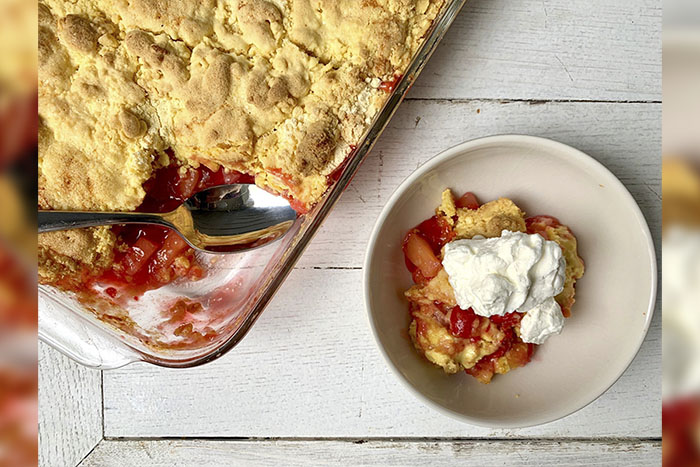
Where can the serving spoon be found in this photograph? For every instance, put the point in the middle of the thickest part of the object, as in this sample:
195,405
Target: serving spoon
227,218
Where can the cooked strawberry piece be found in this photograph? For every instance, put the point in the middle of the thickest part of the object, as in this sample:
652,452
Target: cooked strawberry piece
170,186
508,320
417,276
138,255
506,344
186,186
483,370
159,189
299,206
283,177
437,232
468,201
209,178
540,224
389,85
232,176
420,253
547,221
173,246
462,322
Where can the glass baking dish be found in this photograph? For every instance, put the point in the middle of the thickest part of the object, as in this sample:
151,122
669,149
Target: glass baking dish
236,288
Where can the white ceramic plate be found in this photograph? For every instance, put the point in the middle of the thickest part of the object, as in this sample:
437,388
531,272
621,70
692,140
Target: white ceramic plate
614,299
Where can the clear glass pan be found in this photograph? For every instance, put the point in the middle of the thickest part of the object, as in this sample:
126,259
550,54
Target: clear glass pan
236,289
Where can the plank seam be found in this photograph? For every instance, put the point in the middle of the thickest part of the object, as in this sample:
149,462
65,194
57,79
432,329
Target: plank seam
326,268
361,440
527,101
102,392
89,453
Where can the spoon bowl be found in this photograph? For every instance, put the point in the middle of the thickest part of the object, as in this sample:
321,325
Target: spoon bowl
222,219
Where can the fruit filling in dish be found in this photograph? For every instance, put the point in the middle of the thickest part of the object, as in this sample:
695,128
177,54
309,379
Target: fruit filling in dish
146,257
489,284
143,103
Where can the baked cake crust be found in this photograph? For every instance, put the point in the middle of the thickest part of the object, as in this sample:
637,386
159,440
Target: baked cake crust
278,89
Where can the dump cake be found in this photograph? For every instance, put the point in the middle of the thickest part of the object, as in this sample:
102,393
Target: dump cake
490,284
18,70
18,299
141,101
681,300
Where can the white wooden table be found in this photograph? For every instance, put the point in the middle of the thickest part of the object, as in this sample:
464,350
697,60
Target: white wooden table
308,385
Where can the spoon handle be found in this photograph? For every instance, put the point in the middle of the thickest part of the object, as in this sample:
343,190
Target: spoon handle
64,220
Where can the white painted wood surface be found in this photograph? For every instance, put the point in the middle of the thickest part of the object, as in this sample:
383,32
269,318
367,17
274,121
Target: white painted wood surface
310,366
70,409
602,56
549,50
386,453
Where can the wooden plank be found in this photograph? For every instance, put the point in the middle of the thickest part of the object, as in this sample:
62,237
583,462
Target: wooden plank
310,368
386,453
549,49
70,409
624,137
332,381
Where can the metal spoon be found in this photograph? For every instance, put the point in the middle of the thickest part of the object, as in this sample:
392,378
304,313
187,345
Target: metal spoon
228,218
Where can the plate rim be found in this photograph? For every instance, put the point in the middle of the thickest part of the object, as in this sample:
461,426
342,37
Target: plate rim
449,153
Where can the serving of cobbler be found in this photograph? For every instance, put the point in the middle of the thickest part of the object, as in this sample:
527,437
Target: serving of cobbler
142,103
476,269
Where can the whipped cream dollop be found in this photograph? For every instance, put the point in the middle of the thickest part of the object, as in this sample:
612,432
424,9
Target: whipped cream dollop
513,272
542,322
680,288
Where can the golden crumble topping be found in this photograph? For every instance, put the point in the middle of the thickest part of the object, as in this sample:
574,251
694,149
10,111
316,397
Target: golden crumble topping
490,219
278,89
64,253
681,193
18,49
